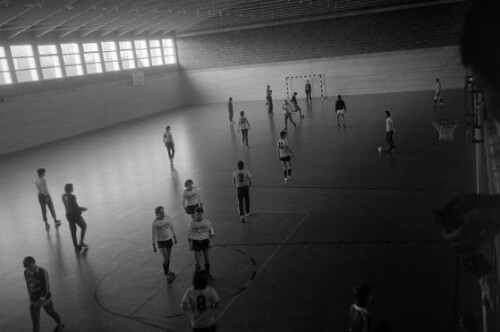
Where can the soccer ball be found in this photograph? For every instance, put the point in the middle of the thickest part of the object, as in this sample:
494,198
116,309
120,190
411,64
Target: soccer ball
379,149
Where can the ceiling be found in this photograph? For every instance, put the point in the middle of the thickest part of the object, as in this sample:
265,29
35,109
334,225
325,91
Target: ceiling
72,19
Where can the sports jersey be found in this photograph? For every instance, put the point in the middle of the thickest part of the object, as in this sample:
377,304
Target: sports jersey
41,186
201,303
191,197
162,229
167,137
308,87
38,284
340,105
241,178
200,230
359,320
389,125
243,123
283,149
70,204
437,88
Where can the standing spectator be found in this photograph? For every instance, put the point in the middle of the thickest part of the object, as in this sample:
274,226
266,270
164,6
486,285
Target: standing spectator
74,216
230,110
437,92
285,155
44,199
295,104
169,143
340,109
37,281
164,234
389,128
191,199
308,91
243,180
201,300
200,233
359,320
269,100
287,111
244,126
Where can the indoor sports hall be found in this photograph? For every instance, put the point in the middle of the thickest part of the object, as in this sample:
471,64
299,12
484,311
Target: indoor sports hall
88,87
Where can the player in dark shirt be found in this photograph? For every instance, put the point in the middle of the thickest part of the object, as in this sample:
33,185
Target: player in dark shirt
74,216
37,281
340,109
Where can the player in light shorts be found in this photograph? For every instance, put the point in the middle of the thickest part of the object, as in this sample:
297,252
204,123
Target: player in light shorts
163,234
341,109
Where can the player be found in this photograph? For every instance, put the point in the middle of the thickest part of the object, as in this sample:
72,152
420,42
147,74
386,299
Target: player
308,90
163,233
285,155
295,104
191,198
37,281
243,180
200,233
269,100
437,92
244,126
359,320
389,128
287,111
169,144
74,216
44,199
340,109
230,110
201,300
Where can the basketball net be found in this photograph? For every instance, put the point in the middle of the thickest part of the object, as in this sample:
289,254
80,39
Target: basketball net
445,128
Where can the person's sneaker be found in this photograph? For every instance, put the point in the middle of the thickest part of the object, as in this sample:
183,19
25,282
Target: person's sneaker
345,126
78,249
242,218
57,223
248,214
170,277
302,115
289,177
59,327
47,227
286,178
84,245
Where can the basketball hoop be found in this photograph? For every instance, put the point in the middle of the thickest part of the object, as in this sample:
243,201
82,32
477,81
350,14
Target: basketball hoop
445,128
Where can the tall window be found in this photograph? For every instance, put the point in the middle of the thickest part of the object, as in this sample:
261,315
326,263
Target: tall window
5,77
141,51
24,63
127,55
168,51
110,56
92,58
155,51
72,59
49,61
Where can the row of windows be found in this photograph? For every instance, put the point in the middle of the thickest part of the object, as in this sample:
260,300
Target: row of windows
27,63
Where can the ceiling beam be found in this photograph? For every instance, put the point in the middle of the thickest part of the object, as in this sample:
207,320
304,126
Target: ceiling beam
34,23
136,26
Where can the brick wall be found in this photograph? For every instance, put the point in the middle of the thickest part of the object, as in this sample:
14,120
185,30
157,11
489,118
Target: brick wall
371,33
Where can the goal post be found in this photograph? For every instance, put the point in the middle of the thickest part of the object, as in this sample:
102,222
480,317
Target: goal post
297,84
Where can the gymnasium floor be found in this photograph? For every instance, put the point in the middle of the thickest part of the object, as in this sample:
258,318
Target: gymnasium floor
349,215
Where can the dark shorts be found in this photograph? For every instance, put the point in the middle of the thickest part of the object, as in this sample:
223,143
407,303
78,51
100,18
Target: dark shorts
287,158
165,244
191,208
200,245
211,328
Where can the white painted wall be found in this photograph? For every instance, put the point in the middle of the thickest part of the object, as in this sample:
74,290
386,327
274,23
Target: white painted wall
414,70
30,119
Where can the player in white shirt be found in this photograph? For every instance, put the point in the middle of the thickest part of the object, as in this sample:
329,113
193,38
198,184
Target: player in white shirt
163,233
169,144
201,300
285,155
243,180
244,126
191,198
437,92
44,199
200,233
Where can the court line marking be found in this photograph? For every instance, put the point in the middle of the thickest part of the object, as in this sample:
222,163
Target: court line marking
230,303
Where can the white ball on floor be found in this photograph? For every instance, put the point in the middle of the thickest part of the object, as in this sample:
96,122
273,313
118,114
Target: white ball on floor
379,149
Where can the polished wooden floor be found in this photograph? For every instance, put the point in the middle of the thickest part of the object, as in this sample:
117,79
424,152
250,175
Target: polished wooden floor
349,215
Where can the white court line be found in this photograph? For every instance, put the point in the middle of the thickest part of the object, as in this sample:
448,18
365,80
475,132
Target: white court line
264,265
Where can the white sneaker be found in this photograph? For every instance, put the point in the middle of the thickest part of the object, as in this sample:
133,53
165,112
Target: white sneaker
286,178
242,218
289,177
248,214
